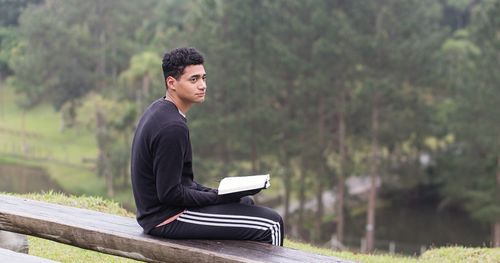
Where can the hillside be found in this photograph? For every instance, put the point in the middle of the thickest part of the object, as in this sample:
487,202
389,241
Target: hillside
34,138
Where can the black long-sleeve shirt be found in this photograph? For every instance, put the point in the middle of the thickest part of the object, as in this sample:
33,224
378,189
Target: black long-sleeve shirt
161,167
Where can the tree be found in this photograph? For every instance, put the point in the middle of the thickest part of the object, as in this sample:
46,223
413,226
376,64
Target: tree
52,65
69,48
290,71
9,14
485,100
392,39
236,109
472,177
112,122
144,72
334,50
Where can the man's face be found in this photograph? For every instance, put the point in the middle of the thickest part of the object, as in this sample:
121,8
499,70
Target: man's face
191,85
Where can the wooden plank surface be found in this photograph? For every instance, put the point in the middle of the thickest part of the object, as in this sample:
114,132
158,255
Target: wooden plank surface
14,257
122,236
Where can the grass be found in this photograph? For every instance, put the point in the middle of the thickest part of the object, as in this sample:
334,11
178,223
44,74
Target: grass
64,253
462,254
33,138
435,255
39,129
357,257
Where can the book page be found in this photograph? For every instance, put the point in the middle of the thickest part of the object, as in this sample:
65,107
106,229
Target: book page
243,183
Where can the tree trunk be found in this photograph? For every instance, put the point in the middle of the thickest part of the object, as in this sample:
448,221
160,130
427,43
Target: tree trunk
496,235
302,193
319,212
321,168
288,190
109,177
339,204
24,133
253,98
286,161
145,90
2,98
372,197
100,118
103,156
496,227
101,67
302,200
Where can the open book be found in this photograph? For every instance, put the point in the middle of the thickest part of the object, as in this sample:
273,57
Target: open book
243,183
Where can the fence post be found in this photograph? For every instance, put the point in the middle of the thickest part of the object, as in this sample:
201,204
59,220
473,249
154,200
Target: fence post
392,247
422,249
363,245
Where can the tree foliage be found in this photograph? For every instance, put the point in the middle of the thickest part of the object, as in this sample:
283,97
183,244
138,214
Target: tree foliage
313,91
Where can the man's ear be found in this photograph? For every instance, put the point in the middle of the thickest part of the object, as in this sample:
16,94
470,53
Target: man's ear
170,81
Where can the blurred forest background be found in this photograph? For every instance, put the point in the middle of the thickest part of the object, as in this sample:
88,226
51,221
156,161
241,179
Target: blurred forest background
378,119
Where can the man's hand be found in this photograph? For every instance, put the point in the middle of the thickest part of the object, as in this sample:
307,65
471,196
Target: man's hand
235,197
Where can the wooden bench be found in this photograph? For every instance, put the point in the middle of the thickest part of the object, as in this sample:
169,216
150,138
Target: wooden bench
122,236
11,256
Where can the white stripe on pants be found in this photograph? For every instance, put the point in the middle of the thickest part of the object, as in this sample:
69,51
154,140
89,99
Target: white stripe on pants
222,220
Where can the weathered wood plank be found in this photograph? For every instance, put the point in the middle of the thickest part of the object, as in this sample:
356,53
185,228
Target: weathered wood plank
14,257
14,241
122,236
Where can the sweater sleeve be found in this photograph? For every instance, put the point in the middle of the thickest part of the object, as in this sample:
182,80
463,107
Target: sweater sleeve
204,188
172,143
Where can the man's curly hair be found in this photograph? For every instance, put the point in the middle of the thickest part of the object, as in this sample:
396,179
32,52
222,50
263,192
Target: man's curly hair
175,61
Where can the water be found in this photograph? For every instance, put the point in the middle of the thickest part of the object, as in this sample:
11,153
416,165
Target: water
405,224
413,228
25,179
22,179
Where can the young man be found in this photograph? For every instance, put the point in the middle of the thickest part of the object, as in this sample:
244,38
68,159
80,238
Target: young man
169,202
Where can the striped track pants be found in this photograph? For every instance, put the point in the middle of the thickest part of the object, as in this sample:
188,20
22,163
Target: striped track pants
234,221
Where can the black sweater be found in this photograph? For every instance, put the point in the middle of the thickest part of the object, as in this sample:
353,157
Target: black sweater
161,167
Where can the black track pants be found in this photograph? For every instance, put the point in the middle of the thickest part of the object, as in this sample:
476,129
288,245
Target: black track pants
232,221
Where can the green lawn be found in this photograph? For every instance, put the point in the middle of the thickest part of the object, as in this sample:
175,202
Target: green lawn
33,137
37,132
435,255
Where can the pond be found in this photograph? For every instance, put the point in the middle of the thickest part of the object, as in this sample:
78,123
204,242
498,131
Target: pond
412,229
25,179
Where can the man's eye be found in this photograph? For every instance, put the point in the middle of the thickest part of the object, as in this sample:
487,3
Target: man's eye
193,80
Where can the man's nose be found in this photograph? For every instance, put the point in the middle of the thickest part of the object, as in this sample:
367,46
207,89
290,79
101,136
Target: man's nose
202,86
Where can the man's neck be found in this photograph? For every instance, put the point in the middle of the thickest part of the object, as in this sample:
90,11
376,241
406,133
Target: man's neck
180,106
